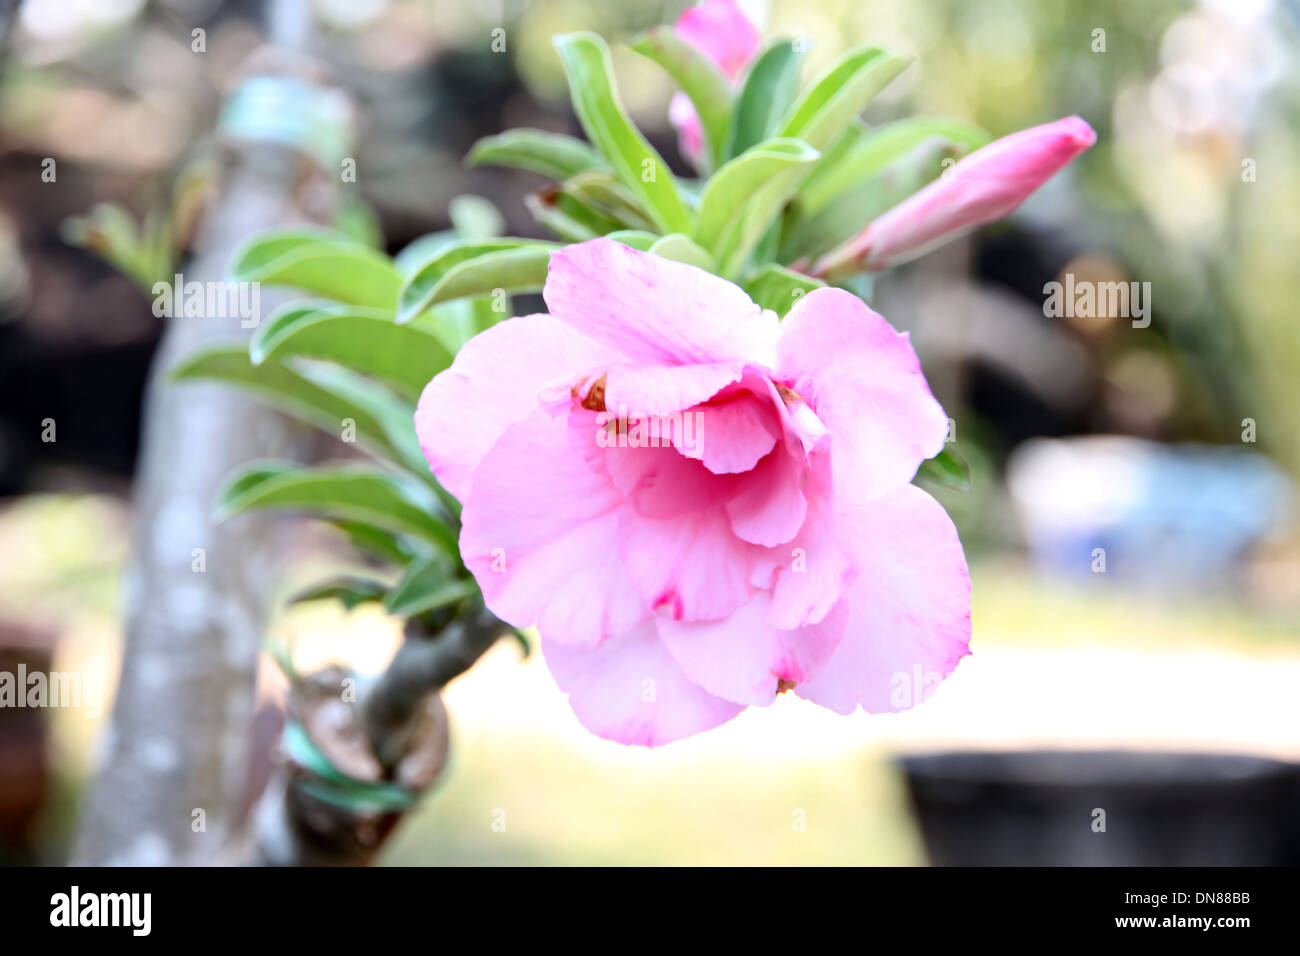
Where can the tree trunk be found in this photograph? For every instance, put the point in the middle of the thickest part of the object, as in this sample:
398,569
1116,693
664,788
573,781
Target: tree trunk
195,603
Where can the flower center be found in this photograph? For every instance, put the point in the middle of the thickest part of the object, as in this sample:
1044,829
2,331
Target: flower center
595,398
788,394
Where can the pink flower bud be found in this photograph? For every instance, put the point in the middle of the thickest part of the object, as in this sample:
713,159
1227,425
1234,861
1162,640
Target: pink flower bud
985,186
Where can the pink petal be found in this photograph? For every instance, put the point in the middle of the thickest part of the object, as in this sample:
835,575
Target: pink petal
665,389
908,609
730,433
769,506
720,30
654,311
689,567
540,534
494,381
742,657
811,569
865,383
630,690
980,188
690,131
660,483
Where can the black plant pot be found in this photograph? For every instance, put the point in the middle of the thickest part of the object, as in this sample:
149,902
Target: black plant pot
1040,808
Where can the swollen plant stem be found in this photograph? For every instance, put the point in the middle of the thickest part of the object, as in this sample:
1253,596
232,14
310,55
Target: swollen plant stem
424,663
288,831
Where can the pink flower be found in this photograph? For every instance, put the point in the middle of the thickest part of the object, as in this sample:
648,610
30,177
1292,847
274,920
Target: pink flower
720,30
985,186
759,532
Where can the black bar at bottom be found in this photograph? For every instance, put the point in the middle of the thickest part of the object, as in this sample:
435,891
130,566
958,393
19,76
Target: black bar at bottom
625,907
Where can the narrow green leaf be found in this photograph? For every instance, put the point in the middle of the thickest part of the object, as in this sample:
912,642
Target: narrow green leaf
595,100
353,492
521,268
634,238
377,542
843,91
419,251
606,195
421,290
304,394
947,470
357,220
319,262
766,97
569,218
553,155
525,646
426,586
404,356
348,589
698,77
394,416
878,149
680,248
746,196
778,288
109,231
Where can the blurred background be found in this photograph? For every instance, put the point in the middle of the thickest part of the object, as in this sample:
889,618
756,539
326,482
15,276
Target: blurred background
1135,560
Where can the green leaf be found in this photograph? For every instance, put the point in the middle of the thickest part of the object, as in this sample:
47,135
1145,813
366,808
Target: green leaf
357,220
880,148
843,91
765,99
569,218
778,288
525,646
947,470
325,399
109,231
393,416
473,217
404,356
680,248
698,77
377,542
353,492
553,155
319,262
349,589
418,251
426,586
595,100
606,195
474,267
746,196
634,238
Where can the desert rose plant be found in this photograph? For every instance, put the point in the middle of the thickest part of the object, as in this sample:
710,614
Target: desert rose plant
694,474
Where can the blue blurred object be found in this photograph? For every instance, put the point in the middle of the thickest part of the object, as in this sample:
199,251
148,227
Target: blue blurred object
1148,513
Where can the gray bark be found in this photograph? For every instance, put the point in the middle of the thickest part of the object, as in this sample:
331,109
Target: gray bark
179,732
179,738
